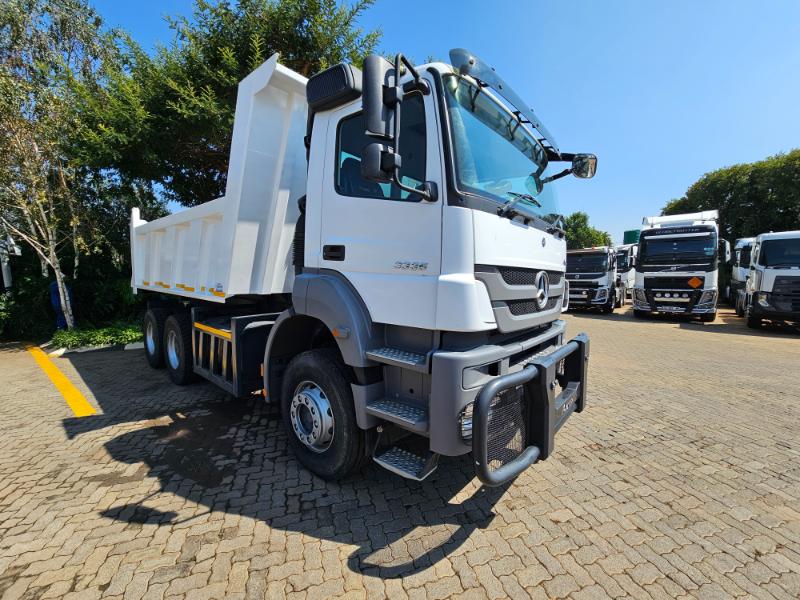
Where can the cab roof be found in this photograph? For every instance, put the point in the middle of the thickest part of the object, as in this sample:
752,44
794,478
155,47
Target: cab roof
778,235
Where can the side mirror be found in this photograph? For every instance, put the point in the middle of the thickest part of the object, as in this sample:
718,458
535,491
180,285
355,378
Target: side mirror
379,79
382,97
584,166
377,162
726,250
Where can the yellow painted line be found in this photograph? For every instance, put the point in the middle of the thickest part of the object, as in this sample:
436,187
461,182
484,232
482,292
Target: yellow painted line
214,330
77,402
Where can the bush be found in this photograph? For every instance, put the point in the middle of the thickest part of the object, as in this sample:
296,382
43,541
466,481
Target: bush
116,334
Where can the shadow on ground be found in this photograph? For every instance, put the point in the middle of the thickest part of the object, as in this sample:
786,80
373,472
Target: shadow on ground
231,455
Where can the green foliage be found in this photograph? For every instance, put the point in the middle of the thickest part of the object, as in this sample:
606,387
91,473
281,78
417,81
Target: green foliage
116,334
168,119
751,198
582,235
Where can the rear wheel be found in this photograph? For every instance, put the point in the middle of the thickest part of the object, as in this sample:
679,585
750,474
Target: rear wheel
319,415
178,349
153,334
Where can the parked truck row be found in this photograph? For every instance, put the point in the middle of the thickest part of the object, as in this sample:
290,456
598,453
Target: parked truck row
387,265
675,268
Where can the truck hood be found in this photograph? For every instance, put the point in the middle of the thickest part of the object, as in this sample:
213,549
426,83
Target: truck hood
503,242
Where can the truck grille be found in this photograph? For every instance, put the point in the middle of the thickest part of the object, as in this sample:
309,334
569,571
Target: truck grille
786,293
520,276
526,307
583,285
507,432
672,283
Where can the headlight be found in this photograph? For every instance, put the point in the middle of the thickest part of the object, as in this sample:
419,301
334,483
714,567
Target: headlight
639,293
708,297
465,422
763,298
601,293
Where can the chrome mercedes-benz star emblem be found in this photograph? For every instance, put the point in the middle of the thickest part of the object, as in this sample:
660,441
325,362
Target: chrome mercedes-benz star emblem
542,289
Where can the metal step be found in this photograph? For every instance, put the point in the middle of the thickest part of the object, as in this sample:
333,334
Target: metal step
399,358
407,464
406,415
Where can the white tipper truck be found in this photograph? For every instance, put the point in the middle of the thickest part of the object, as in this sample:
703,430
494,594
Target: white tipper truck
772,288
387,265
677,266
592,278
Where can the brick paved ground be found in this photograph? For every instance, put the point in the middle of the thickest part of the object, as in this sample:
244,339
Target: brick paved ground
681,478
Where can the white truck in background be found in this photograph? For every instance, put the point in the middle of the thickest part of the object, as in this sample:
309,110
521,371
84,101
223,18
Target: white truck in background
626,275
592,277
772,288
737,292
677,266
387,265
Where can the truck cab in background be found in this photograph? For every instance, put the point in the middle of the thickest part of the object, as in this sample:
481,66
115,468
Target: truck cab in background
737,292
592,277
626,275
677,267
773,283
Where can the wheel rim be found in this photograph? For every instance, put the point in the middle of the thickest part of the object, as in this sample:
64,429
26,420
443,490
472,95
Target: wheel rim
172,349
150,338
311,417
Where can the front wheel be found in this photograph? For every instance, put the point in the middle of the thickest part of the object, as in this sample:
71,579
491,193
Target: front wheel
754,322
640,314
708,318
319,415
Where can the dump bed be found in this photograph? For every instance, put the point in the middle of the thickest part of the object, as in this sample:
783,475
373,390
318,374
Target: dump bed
241,243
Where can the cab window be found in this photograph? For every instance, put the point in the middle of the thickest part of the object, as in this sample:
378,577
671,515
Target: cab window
350,142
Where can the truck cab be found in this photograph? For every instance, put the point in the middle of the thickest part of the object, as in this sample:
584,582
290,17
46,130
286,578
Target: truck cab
593,281
773,282
737,294
677,266
626,275
389,269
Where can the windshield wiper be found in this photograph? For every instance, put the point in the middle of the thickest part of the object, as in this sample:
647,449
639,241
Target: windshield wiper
509,206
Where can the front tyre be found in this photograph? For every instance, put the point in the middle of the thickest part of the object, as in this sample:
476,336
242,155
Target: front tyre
708,318
640,314
319,415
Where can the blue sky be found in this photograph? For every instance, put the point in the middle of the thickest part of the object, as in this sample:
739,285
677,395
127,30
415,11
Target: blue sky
662,92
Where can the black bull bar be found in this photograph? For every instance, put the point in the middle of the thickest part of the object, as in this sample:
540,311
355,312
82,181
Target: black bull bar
546,411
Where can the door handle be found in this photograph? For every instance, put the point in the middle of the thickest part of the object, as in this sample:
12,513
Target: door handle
333,253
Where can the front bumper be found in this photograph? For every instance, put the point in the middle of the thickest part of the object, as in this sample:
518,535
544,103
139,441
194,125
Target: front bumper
588,296
775,308
686,302
543,412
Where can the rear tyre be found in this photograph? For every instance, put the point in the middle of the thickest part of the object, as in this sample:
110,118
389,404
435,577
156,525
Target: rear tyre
153,335
319,415
178,349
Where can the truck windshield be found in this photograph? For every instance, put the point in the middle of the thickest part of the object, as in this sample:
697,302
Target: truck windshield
780,253
494,153
622,260
587,263
744,256
662,250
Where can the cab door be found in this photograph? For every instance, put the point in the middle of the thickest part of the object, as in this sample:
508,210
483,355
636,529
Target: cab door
385,241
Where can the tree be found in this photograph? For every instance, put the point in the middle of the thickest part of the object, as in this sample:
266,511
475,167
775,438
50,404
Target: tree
49,198
582,235
171,120
751,198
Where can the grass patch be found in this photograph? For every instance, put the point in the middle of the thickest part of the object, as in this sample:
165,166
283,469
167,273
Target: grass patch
102,336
